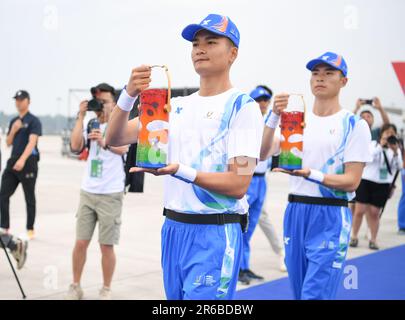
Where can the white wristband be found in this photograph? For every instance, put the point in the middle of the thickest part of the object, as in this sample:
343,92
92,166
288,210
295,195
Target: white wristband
272,121
125,101
316,175
186,173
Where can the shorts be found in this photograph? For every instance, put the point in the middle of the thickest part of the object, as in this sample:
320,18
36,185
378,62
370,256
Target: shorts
373,193
102,208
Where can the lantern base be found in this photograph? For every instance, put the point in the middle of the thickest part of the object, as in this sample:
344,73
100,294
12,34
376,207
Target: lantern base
290,167
147,165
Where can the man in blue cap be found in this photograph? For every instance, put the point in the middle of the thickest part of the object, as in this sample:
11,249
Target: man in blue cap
214,144
317,221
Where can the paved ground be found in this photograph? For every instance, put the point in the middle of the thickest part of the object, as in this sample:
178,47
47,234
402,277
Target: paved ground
47,273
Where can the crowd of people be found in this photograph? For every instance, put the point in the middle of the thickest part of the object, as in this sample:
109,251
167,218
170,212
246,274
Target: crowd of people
216,179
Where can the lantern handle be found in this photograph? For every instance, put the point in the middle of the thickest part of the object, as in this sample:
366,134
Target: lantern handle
169,90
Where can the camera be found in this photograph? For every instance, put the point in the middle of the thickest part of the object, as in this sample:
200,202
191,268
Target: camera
367,102
95,105
392,140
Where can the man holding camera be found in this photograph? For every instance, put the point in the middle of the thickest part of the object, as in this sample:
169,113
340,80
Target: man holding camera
22,167
101,192
369,117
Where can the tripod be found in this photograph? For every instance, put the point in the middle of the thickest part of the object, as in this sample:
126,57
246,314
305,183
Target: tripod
12,267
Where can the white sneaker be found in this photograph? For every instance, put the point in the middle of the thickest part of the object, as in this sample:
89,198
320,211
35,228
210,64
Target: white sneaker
105,294
75,292
282,266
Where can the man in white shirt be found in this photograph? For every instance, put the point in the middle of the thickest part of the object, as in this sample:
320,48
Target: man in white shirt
101,192
335,149
214,144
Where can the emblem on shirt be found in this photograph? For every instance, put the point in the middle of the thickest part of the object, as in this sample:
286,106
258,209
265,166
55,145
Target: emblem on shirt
212,115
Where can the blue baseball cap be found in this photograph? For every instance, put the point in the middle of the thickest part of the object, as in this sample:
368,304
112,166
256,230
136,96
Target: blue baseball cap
334,60
215,23
260,92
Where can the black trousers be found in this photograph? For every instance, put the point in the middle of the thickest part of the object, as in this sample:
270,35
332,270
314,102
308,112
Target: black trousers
9,183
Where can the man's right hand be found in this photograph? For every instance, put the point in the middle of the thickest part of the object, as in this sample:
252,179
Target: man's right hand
83,108
17,125
280,103
139,80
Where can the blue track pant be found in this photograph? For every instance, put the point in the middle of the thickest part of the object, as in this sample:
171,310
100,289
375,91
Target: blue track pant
316,241
200,262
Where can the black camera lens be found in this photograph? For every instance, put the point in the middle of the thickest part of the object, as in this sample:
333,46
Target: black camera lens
367,102
95,105
392,140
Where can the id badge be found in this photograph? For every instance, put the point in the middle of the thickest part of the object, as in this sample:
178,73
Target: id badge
96,168
383,173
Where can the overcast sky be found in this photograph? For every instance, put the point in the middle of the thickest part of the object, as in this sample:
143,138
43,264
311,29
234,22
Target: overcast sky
48,47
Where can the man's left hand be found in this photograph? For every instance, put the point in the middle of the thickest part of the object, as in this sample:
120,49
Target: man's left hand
377,103
169,169
96,135
297,173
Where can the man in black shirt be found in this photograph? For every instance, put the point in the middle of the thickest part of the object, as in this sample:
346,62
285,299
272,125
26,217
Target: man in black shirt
22,166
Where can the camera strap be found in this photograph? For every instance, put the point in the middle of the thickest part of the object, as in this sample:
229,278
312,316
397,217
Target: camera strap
387,162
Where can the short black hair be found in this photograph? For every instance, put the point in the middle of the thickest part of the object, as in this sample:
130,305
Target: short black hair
103,87
113,93
368,112
269,91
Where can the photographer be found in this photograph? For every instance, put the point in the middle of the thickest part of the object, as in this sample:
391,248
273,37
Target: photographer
368,115
375,187
101,192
